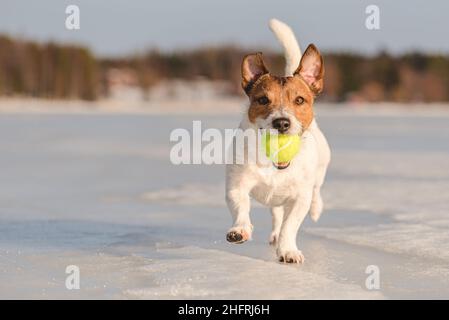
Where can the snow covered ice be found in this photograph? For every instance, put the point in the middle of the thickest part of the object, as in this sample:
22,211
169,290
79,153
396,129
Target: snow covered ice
97,190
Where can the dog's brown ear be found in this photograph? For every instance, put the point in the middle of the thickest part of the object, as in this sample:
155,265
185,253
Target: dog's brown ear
252,68
311,68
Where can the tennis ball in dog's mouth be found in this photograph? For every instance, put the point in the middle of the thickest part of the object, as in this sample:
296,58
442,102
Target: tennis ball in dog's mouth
281,148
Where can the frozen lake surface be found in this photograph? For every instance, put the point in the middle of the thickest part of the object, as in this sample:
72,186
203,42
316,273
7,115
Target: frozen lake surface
98,191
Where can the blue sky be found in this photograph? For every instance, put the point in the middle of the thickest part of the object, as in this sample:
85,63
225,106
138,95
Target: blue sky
116,27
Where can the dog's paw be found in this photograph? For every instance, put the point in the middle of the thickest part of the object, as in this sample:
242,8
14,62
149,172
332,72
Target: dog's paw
274,237
291,256
239,234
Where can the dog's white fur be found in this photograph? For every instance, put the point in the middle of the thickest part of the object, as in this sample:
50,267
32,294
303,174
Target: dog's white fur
290,193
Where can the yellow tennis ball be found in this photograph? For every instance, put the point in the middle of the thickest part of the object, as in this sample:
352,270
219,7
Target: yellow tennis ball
281,148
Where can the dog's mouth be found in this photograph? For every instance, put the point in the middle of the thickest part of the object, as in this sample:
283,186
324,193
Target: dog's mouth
281,165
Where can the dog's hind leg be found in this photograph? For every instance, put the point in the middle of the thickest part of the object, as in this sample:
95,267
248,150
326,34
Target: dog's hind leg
324,155
316,207
277,217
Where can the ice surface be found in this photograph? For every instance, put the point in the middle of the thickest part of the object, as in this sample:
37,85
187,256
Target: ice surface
98,191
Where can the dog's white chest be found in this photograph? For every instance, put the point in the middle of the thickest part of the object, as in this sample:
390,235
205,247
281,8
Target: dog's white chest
276,189
272,196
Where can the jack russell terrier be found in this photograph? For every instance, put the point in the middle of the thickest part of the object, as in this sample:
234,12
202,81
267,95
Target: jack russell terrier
285,104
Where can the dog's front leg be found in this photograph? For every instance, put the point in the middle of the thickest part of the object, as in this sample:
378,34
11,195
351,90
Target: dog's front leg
239,203
295,212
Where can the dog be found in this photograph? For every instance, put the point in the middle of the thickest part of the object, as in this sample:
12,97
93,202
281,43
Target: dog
284,104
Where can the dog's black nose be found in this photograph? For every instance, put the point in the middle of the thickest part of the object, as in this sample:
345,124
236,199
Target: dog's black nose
281,124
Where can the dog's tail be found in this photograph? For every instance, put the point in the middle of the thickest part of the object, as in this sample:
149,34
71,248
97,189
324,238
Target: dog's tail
287,39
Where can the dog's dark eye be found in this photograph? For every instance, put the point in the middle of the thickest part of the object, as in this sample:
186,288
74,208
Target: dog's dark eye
263,100
299,101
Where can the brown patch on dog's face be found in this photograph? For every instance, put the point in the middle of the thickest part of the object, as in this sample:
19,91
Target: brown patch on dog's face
289,98
264,97
281,94
299,99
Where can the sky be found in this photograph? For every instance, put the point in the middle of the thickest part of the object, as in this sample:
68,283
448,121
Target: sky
119,27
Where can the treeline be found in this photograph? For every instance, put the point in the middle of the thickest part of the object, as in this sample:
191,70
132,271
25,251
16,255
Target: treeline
59,71
48,71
